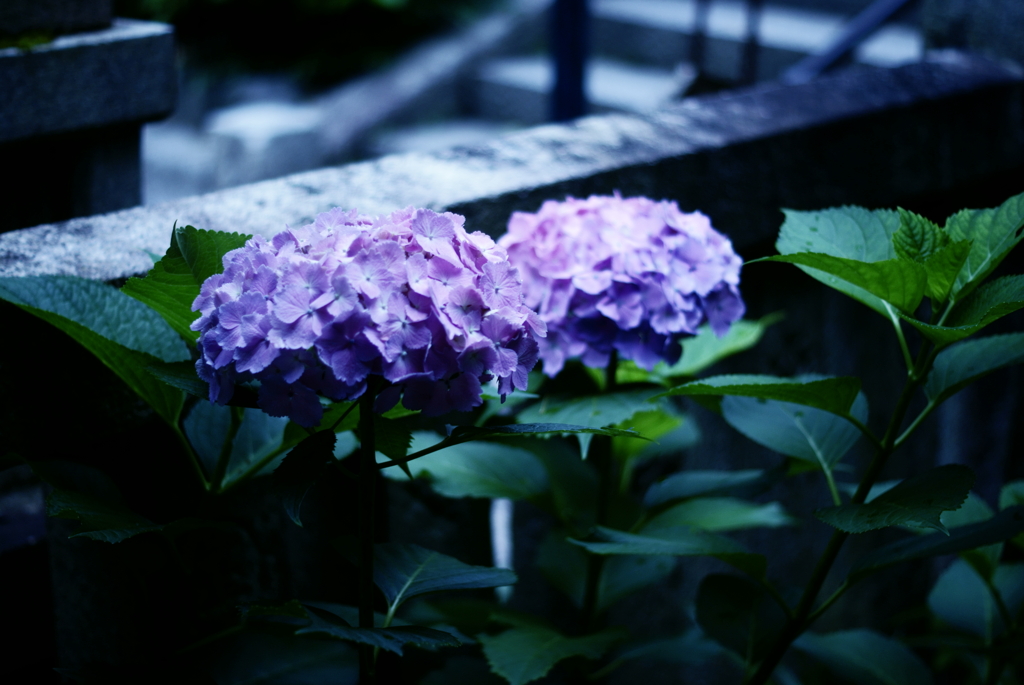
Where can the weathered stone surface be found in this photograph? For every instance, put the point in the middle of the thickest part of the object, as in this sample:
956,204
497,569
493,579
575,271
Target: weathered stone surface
991,27
862,136
53,16
118,75
425,81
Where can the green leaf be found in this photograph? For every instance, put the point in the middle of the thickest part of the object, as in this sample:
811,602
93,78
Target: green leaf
738,614
653,425
103,520
719,514
999,528
170,289
206,427
573,485
993,233
524,654
479,469
123,334
988,303
1011,494
677,542
391,438
846,232
301,468
100,308
943,267
917,238
597,411
959,365
203,251
835,395
921,241
467,433
899,282
705,349
991,301
850,232
918,500
795,430
865,657
961,598
565,566
259,436
259,657
670,433
180,375
687,484
294,433
404,571
692,648
324,623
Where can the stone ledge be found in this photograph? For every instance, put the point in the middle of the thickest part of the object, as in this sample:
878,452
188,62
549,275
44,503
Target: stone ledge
117,75
739,157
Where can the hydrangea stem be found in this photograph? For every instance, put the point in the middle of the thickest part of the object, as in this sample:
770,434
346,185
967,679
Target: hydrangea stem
225,451
804,614
367,490
601,457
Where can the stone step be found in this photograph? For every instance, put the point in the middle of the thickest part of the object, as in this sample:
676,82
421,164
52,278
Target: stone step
517,88
433,136
658,32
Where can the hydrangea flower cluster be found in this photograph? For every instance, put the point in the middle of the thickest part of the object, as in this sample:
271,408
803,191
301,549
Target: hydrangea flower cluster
629,274
411,297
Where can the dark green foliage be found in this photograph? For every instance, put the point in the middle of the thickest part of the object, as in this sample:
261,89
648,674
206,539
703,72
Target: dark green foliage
404,571
917,501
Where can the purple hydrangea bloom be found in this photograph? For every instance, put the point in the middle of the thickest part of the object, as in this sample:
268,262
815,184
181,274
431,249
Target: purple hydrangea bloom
626,274
411,297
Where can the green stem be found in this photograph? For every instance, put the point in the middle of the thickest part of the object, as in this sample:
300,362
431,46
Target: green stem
227,632
225,451
196,466
774,593
447,442
833,490
996,664
1004,611
602,459
799,622
262,463
865,431
367,490
908,359
826,605
925,413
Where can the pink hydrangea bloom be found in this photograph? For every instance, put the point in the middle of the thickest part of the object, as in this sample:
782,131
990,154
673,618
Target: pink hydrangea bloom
628,274
410,296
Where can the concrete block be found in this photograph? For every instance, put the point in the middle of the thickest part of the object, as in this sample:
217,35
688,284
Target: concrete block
261,140
177,161
991,27
865,136
518,88
424,83
53,16
431,137
86,80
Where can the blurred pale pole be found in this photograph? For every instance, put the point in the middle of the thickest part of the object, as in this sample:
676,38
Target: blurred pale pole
569,40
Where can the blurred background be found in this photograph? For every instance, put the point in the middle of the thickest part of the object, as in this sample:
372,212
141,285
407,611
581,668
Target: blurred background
270,87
